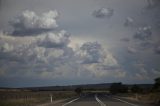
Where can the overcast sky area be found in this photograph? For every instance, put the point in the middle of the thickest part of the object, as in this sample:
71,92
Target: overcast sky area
66,42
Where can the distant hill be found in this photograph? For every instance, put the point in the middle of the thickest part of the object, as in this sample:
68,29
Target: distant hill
101,86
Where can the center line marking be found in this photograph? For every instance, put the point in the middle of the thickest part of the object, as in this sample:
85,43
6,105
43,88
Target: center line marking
99,101
70,102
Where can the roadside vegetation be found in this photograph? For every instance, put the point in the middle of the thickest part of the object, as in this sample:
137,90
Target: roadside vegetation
150,95
78,90
32,98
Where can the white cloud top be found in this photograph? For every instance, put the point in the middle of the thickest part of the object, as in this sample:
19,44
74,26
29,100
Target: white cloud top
29,21
51,39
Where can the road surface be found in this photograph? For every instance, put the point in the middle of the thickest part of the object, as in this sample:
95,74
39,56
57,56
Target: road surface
97,100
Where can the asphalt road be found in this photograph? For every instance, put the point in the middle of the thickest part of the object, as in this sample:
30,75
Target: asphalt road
97,100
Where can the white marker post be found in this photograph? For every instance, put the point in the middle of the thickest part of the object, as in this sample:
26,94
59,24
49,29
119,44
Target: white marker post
51,98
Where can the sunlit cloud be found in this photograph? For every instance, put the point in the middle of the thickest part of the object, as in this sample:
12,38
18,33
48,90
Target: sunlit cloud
29,23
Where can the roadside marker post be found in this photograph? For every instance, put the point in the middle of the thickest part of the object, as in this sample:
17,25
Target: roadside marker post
51,98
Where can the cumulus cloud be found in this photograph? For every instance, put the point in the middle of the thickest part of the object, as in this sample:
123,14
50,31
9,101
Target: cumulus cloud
142,40
52,40
5,47
48,54
103,13
156,72
142,73
29,23
57,59
143,33
98,62
145,74
91,52
103,70
128,21
146,45
29,51
140,46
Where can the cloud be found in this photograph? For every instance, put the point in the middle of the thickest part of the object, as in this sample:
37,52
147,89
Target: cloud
143,72
29,23
103,70
47,55
131,50
103,13
143,33
5,47
52,40
128,21
43,54
2,72
125,39
28,52
98,62
141,46
91,52
39,59
153,3
156,72
32,59
142,40
157,49
146,44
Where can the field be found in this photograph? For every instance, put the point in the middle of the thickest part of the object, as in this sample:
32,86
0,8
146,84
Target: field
149,98
32,98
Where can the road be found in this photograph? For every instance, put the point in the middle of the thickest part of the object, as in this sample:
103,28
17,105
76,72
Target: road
97,100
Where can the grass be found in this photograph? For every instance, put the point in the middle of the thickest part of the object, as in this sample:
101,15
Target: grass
151,97
28,98
19,102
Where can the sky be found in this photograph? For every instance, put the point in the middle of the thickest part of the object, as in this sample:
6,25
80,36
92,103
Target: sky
67,42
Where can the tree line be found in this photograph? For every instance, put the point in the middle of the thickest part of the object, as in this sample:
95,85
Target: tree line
122,88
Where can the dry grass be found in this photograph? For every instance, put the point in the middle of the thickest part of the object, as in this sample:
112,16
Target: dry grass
28,98
151,98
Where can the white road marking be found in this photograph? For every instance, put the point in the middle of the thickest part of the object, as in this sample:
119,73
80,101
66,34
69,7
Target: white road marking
124,101
70,102
99,101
